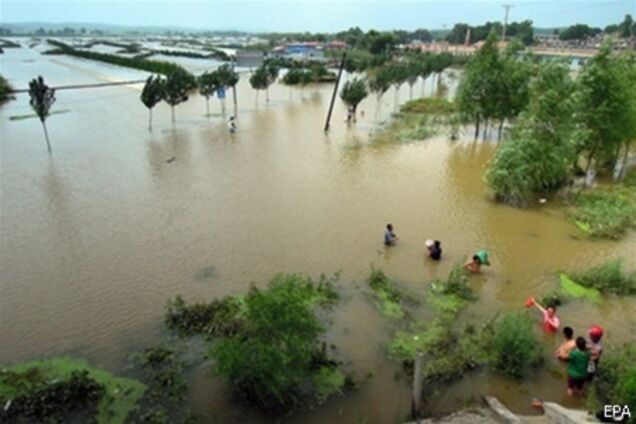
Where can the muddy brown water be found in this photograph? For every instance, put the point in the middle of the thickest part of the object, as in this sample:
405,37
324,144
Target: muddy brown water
96,237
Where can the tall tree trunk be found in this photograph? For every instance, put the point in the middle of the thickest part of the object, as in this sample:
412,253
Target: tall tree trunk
234,100
207,106
267,94
622,172
46,137
150,119
256,101
397,98
423,87
172,113
500,130
378,105
477,128
410,91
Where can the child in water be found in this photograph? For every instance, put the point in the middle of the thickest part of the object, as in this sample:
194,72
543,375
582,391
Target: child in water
577,367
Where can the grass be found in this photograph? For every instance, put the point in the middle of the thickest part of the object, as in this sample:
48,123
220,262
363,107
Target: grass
430,105
606,212
328,381
119,399
615,383
405,128
608,278
573,289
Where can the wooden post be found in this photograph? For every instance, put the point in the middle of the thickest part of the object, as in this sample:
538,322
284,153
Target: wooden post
335,91
417,386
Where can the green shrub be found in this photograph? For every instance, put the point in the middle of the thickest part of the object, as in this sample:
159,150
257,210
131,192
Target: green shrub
387,294
5,89
615,381
606,213
277,351
608,278
515,347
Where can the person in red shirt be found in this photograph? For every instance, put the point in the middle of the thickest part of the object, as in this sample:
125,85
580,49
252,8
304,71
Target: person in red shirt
550,320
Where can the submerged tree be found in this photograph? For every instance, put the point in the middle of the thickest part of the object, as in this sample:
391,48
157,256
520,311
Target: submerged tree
42,98
208,84
293,77
228,77
272,74
152,94
259,81
353,92
379,83
177,88
608,108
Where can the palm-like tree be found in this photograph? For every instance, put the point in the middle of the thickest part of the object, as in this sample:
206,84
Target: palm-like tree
228,77
353,92
151,95
42,98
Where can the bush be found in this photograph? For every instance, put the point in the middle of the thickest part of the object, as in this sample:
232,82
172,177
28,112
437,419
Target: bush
608,278
515,347
615,381
606,213
56,400
387,294
276,352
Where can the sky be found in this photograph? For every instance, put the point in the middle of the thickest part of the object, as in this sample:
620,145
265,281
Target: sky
312,15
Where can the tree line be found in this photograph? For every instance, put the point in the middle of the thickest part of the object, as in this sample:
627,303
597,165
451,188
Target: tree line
561,125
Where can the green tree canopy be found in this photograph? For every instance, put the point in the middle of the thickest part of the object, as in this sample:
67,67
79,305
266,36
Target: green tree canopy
353,92
152,94
178,86
42,98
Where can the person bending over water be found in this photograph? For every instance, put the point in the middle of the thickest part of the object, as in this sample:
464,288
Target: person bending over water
563,352
474,265
434,249
389,236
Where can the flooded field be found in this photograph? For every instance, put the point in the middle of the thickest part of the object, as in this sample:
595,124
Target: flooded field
97,237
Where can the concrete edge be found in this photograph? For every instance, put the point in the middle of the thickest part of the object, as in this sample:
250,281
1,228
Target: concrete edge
561,415
502,413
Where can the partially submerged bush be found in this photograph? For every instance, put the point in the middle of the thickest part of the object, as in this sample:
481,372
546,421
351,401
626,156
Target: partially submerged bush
162,370
615,381
220,317
5,90
388,296
515,347
608,277
276,353
605,213
77,396
430,105
54,389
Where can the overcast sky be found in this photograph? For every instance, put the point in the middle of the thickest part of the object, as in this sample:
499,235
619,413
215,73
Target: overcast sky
311,15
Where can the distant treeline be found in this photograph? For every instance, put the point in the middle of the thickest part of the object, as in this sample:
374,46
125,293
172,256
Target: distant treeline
215,54
154,66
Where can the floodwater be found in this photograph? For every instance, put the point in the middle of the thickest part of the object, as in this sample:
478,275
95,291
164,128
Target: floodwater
97,237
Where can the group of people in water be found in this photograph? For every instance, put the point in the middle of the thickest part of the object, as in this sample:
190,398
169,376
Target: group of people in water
581,355
434,248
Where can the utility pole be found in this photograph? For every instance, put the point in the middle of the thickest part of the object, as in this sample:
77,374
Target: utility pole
507,9
335,91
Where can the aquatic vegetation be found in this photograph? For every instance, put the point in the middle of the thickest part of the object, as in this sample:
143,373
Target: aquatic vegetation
276,355
388,297
117,396
605,212
164,401
573,289
608,277
515,348
429,105
328,382
615,382
220,317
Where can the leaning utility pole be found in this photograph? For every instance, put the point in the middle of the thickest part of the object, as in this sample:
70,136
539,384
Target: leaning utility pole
507,8
335,91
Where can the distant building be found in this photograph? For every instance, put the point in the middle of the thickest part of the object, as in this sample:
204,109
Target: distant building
249,58
303,52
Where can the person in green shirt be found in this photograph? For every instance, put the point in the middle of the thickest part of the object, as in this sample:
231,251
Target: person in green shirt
577,367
